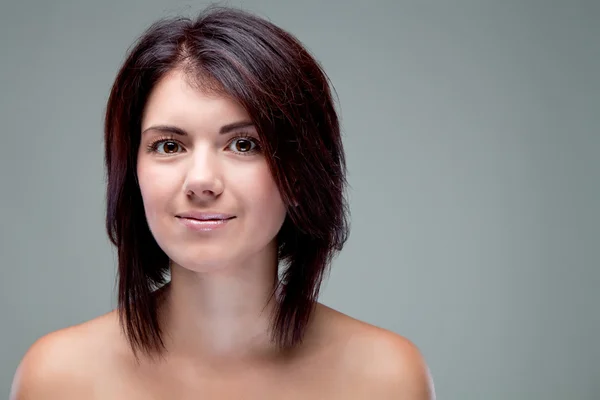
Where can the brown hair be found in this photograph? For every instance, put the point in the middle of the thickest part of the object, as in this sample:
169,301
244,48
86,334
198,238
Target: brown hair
288,97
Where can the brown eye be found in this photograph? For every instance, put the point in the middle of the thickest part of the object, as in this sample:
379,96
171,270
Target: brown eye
243,145
165,147
170,147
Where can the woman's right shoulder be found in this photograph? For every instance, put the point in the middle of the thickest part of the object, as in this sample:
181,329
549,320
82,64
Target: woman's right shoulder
66,363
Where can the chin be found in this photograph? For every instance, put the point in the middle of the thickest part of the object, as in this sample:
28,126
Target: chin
202,263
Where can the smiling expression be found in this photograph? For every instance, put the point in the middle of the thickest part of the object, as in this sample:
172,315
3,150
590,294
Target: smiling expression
209,196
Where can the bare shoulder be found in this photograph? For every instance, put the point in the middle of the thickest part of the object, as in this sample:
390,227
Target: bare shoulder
379,362
65,364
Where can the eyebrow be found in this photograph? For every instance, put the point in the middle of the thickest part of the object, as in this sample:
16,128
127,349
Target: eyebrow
178,131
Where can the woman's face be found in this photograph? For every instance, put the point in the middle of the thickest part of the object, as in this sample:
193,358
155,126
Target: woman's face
209,196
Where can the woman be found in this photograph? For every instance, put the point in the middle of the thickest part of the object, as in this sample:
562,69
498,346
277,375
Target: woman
226,179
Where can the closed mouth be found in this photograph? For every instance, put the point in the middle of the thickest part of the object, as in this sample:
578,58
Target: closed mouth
206,219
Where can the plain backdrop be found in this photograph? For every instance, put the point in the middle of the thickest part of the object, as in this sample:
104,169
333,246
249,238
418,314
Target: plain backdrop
472,135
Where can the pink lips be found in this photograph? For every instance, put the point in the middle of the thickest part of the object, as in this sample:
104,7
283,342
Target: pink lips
204,221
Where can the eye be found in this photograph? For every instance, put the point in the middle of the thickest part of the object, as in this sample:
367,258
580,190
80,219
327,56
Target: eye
164,146
245,145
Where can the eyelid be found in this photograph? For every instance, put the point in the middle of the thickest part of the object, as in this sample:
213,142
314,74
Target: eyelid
245,134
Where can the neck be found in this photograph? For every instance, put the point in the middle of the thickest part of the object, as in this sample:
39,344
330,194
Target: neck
221,315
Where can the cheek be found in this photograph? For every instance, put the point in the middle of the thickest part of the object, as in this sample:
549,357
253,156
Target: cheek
156,189
263,202
262,190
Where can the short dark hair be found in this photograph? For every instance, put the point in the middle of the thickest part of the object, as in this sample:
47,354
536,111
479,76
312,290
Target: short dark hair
289,99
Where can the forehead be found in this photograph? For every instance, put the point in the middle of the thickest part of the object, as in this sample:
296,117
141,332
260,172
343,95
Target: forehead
174,100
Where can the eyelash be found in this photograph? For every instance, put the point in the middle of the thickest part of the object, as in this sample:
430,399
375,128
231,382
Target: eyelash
153,147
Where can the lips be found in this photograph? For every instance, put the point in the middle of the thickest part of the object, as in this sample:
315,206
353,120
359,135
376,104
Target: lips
205,216
204,221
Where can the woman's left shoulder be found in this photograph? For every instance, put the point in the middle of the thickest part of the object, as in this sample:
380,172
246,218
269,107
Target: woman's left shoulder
379,361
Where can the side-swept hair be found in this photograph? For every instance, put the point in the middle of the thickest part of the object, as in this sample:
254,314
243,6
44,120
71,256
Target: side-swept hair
288,98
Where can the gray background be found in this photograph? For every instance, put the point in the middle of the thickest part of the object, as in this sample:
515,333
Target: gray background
471,129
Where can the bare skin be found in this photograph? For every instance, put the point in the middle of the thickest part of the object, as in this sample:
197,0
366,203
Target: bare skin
340,358
199,153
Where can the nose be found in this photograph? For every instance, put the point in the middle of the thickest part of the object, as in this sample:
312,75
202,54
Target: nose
203,179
